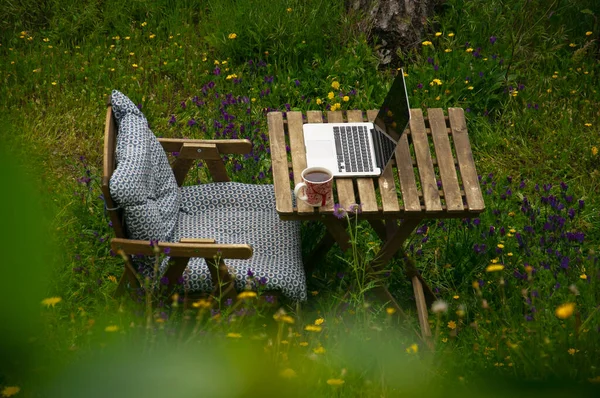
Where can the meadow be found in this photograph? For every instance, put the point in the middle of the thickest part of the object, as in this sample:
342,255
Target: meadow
518,287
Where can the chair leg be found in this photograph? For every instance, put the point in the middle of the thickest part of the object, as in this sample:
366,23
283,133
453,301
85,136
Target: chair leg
128,277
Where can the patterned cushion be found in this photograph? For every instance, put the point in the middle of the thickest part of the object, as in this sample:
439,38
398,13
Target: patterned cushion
232,212
143,183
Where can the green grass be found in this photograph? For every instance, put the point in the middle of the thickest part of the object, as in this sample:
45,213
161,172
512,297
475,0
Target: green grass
527,79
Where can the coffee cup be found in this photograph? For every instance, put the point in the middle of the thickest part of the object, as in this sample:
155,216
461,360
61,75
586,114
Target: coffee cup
317,186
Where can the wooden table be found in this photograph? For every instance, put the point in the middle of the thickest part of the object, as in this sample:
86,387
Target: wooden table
433,148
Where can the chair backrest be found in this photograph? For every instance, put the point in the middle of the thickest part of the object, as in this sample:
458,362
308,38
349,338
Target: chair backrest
110,141
137,176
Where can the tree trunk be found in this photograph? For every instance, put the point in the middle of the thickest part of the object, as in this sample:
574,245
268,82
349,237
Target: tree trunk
394,26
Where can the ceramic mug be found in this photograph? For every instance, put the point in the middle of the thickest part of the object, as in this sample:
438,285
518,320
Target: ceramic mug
317,186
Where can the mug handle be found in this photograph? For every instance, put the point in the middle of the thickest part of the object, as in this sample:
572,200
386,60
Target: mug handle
299,186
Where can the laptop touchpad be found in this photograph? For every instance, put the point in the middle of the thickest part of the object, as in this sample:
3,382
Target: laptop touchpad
320,149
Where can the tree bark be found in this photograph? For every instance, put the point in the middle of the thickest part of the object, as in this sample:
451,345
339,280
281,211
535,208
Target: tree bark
394,26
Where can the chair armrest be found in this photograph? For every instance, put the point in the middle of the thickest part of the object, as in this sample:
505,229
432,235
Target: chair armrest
186,248
223,146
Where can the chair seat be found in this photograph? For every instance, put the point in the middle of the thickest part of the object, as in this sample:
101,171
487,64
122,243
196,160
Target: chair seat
231,212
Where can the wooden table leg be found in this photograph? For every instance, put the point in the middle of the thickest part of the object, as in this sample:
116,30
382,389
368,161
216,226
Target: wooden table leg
394,236
337,229
318,252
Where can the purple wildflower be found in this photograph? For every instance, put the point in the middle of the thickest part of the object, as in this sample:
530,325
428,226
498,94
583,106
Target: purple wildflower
493,39
339,211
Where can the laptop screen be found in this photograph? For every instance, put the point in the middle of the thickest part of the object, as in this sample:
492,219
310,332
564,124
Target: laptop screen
392,120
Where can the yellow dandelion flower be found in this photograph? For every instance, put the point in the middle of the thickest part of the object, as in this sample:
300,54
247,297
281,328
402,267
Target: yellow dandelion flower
456,297
412,349
335,382
289,10
246,294
131,54
452,325
438,34
54,83
572,45
232,36
337,106
284,318
451,34
494,268
427,43
445,340
330,95
500,246
152,36
112,278
588,124
509,254
134,66
346,98
588,33
232,76
319,350
469,50
46,40
319,321
448,50
564,311
127,37
583,276
470,88
10,391
234,335
217,62
313,328
594,151
390,310
438,98
288,373
319,101
572,351
51,301
303,344
335,85
202,303
111,328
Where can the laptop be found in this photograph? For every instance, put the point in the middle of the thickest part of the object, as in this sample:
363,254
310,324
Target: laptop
360,149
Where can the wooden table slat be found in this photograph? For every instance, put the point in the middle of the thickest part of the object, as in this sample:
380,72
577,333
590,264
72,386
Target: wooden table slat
431,196
464,155
366,188
298,151
344,186
386,183
281,181
406,175
445,160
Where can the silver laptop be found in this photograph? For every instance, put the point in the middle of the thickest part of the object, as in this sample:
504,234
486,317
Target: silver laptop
360,149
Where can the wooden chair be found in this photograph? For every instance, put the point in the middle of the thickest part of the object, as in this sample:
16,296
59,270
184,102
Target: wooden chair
185,240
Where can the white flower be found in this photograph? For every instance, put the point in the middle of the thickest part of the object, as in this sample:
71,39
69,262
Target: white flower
439,306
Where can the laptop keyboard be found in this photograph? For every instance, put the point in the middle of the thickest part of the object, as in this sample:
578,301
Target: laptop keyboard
352,147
